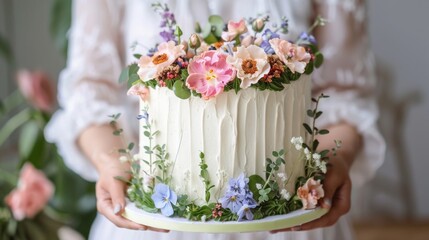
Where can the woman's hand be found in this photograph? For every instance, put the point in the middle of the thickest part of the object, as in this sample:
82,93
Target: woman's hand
99,144
337,184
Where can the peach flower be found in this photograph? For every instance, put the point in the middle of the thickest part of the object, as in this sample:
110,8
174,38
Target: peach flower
234,29
37,88
251,63
310,193
167,53
295,57
32,193
140,90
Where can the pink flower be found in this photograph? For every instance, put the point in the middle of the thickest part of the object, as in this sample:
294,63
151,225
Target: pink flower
295,57
310,193
209,73
37,88
167,53
251,63
33,192
139,90
234,29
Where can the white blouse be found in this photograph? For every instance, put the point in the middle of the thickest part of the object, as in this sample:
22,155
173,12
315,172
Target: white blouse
99,46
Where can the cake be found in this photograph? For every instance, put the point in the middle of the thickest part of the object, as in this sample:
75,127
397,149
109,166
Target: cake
225,132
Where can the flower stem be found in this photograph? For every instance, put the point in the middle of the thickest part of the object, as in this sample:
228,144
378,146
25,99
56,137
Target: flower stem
13,123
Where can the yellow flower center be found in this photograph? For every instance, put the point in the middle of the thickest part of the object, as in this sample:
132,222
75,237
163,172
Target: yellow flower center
159,58
210,75
249,66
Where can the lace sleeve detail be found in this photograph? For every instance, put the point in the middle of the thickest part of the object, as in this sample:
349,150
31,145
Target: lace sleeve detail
348,77
88,88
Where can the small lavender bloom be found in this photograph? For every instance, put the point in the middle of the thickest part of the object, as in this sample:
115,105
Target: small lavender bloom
144,116
163,198
245,212
284,25
168,16
268,34
167,35
267,47
232,201
248,198
307,37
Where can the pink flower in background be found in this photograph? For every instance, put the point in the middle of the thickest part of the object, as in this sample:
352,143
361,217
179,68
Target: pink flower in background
234,29
167,53
294,56
251,63
310,193
140,90
37,88
209,73
31,195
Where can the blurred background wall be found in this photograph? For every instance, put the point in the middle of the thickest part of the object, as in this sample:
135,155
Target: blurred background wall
399,37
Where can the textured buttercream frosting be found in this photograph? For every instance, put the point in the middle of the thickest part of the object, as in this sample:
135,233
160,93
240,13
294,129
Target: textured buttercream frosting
236,132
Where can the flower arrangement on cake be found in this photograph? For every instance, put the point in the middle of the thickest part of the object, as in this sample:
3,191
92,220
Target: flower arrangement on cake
217,59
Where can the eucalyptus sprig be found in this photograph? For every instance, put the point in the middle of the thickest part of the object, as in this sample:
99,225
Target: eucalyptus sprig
204,174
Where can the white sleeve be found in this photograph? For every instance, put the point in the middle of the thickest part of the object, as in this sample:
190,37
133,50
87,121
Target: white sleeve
88,88
348,77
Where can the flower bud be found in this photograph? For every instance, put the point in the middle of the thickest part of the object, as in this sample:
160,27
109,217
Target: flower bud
194,41
258,25
148,183
197,27
247,41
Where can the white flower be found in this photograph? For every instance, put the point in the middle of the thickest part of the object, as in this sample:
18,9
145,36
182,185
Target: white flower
148,182
203,218
123,159
297,141
317,162
258,186
136,157
322,167
307,153
285,194
316,157
282,176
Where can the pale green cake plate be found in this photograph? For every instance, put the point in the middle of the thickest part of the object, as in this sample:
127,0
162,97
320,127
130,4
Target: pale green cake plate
292,219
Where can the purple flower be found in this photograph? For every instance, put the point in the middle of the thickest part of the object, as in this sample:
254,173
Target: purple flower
246,212
144,116
238,194
163,197
232,201
266,36
167,35
307,37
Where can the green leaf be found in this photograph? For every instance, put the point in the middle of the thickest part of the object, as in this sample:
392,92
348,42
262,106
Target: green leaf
309,68
323,131
281,152
181,90
130,146
318,59
275,154
137,56
315,145
5,50
123,77
253,180
318,114
310,113
60,21
236,83
32,144
217,24
308,128
146,133
324,153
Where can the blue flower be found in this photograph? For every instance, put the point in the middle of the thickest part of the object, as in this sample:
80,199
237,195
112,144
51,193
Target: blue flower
233,201
265,44
245,212
238,194
144,116
163,197
307,37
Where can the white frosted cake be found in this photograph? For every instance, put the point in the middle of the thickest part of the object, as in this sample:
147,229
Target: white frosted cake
227,131
237,132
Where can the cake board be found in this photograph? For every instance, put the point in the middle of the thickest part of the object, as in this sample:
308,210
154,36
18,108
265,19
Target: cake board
291,219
